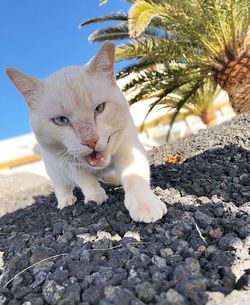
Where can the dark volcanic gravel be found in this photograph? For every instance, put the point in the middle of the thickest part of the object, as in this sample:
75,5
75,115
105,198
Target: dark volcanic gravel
99,256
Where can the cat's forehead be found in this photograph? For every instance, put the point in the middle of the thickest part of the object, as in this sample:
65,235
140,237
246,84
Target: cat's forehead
77,83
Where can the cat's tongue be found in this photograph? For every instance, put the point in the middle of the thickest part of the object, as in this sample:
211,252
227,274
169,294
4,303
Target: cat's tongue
95,159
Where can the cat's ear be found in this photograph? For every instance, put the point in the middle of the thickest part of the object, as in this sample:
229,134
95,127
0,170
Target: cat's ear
25,84
104,60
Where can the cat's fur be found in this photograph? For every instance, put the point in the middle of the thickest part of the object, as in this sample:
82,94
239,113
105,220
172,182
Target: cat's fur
75,92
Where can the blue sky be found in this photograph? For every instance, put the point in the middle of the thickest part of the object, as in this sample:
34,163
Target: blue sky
38,38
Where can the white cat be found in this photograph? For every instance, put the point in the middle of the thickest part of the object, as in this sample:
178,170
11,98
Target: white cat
83,125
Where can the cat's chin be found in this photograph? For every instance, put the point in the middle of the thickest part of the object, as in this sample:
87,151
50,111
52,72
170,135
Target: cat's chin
96,160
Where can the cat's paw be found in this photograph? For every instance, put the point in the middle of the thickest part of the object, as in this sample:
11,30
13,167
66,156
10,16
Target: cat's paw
99,196
66,201
145,208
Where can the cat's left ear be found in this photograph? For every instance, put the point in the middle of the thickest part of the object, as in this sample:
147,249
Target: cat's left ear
104,60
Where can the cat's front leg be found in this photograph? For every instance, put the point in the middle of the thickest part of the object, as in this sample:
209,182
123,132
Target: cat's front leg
132,166
90,187
64,195
62,185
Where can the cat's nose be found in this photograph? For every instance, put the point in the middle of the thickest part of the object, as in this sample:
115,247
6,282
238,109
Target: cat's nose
90,143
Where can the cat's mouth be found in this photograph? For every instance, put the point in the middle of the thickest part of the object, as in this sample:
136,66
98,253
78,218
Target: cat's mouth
95,159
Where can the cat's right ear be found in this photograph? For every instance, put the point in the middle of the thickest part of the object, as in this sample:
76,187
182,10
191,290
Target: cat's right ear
104,60
25,84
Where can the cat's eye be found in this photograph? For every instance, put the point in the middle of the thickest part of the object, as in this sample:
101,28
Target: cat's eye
61,120
100,108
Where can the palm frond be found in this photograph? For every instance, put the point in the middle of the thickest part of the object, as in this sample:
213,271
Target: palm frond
112,17
140,15
181,103
118,32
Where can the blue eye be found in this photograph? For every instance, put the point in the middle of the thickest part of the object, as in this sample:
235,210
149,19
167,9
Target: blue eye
100,108
61,121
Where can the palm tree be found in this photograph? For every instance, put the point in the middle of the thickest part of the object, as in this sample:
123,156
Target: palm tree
179,46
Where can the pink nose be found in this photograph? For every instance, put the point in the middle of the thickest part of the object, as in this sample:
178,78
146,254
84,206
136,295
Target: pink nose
90,143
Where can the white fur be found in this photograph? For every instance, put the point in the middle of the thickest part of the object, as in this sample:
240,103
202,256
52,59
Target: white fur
75,92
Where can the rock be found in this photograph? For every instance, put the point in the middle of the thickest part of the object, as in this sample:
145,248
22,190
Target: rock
230,242
53,292
17,192
145,292
71,295
57,229
93,295
60,276
35,301
228,278
244,281
118,295
215,233
191,286
202,219
40,278
173,297
39,253
166,252
160,262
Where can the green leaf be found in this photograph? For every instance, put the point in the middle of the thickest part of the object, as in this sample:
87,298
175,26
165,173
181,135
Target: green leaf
140,15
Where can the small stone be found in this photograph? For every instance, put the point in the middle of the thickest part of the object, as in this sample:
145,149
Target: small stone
201,249
84,256
230,242
93,295
160,262
133,235
40,278
71,295
190,286
39,253
203,199
180,229
118,295
145,292
215,233
202,219
192,265
53,292
180,273
102,225
79,209
35,301
57,229
210,250
244,281
166,252
60,276
173,297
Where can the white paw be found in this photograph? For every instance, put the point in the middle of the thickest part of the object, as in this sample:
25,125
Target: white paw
66,201
99,196
145,207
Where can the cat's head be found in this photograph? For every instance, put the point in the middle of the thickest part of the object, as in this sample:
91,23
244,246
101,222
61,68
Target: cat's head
77,113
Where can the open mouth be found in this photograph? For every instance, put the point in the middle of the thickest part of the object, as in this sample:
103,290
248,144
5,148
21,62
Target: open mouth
95,159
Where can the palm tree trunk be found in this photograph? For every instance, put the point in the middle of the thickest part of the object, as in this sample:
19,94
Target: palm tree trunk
208,117
239,96
235,79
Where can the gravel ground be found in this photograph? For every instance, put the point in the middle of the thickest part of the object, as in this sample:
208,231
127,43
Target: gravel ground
197,254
